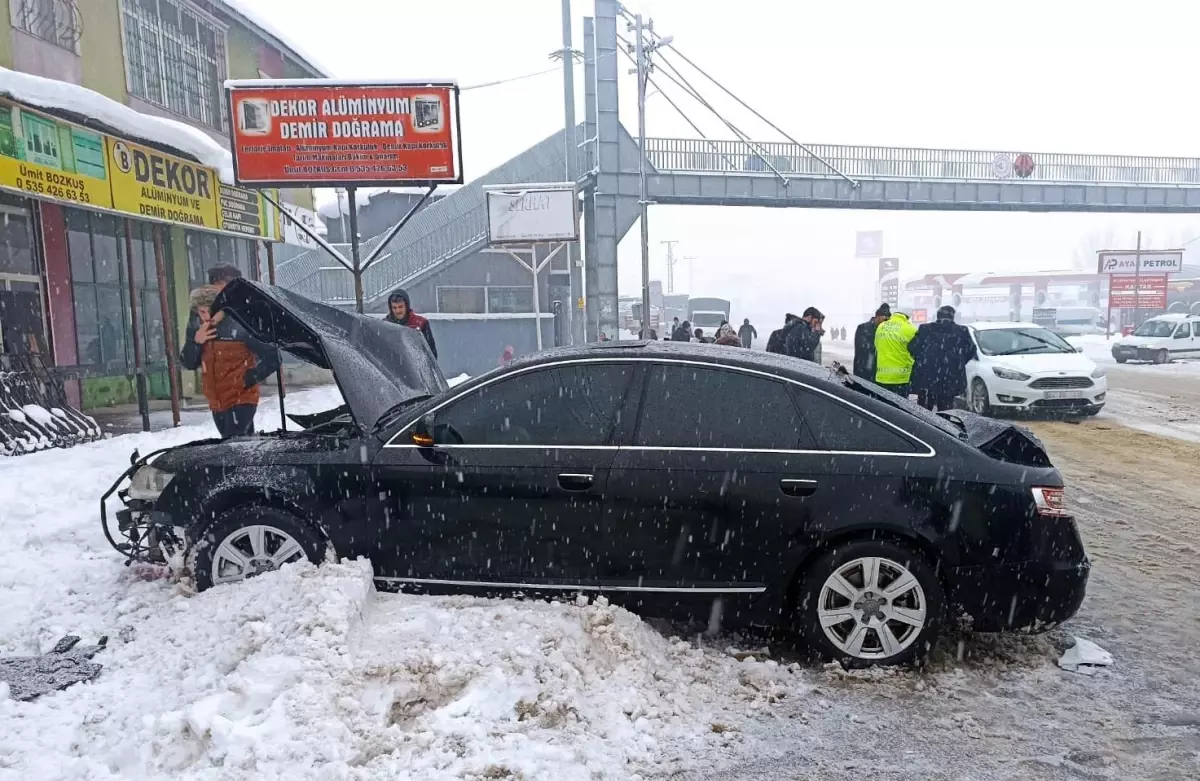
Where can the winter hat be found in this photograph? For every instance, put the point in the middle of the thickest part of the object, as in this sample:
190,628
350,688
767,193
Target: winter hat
884,310
946,313
203,297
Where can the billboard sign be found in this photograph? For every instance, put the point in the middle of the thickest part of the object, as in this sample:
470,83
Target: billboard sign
319,133
532,213
292,234
1148,292
50,158
889,281
868,244
1152,262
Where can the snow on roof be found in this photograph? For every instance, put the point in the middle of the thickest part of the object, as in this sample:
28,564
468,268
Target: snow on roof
117,117
241,9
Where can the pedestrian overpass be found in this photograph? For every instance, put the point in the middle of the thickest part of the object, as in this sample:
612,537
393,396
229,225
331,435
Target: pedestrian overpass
739,173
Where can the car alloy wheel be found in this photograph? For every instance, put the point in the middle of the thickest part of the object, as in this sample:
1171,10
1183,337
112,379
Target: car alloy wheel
872,608
249,540
980,404
253,550
871,602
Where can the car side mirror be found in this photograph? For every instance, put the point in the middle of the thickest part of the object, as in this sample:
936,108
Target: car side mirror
422,432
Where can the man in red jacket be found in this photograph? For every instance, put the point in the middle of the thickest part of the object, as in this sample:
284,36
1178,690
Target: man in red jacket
401,314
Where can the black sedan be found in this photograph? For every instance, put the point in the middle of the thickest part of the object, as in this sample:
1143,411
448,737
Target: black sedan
695,482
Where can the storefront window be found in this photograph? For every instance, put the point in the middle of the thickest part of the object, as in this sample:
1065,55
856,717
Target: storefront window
207,250
96,243
508,300
461,300
22,320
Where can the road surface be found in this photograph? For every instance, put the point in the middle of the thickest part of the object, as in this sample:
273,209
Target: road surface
998,709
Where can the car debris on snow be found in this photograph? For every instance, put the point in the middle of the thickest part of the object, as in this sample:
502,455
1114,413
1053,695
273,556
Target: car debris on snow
29,677
1085,657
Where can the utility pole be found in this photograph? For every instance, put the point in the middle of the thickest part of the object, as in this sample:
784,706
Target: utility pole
1137,279
577,315
643,72
670,264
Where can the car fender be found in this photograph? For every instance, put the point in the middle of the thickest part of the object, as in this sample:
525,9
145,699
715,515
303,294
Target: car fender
195,504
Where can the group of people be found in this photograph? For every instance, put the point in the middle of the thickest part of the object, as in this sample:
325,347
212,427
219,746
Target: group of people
232,363
929,361
800,336
725,335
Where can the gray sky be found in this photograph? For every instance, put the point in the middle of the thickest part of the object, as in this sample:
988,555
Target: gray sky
1061,76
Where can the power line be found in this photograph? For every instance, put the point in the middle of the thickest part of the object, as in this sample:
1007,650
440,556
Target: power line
553,69
750,108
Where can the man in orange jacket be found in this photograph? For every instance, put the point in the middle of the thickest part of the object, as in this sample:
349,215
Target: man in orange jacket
231,362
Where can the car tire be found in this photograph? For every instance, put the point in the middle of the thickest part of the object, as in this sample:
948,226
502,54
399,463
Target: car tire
264,538
979,400
1120,358
839,584
1162,356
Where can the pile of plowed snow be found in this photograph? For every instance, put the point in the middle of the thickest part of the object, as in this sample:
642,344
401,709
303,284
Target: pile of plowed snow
306,673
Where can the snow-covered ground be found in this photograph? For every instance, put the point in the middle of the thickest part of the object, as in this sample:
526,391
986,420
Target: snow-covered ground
1098,347
308,673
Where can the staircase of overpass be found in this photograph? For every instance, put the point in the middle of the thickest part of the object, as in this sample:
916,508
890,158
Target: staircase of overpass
741,173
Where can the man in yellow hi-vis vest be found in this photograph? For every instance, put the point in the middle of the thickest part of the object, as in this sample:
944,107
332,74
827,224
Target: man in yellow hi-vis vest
893,367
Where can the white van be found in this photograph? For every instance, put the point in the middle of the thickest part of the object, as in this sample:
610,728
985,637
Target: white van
1161,339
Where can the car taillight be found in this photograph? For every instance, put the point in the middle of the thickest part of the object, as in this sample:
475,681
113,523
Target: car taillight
1050,501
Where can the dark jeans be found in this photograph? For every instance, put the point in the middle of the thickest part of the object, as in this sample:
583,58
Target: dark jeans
236,422
936,399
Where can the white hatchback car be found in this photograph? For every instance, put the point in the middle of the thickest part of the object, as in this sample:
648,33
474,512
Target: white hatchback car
1024,367
1161,339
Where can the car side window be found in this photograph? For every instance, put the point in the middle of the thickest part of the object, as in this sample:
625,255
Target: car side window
697,407
572,405
1182,332
1196,328
840,427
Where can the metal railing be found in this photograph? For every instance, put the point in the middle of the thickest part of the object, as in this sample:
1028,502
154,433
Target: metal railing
685,155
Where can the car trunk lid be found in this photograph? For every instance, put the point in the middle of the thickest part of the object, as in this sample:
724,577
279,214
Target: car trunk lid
1001,440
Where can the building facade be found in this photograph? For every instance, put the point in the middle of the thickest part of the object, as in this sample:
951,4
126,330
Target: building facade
88,206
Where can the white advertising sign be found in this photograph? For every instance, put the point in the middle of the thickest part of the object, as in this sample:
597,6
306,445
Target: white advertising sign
532,213
292,234
1152,262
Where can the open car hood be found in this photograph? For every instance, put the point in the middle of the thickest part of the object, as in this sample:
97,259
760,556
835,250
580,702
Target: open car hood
376,364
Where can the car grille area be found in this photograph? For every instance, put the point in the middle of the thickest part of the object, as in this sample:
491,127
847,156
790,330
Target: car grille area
1061,383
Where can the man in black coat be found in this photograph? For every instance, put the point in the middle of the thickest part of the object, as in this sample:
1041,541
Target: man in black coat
777,341
864,343
941,351
804,338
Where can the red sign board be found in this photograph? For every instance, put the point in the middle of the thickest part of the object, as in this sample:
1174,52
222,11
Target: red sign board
920,315
1149,292
319,133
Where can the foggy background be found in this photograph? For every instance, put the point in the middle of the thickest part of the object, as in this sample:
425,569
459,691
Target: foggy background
1015,76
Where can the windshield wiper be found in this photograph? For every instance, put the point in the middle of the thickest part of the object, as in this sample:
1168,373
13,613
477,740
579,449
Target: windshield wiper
386,418
1029,349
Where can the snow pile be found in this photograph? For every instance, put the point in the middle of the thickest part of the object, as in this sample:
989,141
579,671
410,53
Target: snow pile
234,678
63,96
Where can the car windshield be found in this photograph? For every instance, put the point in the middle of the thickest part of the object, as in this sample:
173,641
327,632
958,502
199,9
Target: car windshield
707,319
1024,340
1155,328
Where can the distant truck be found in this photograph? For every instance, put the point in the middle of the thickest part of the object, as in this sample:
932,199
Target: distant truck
707,313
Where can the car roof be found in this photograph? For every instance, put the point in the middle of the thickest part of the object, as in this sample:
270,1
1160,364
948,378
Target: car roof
707,353
1174,317
995,326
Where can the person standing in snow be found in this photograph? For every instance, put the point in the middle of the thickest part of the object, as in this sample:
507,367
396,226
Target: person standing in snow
400,312
747,333
728,337
893,369
778,338
804,337
507,356
683,333
864,343
231,362
941,351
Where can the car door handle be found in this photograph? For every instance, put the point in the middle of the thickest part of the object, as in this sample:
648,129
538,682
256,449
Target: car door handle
798,487
574,482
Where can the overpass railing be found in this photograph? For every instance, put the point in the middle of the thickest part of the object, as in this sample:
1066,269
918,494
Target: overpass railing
686,155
